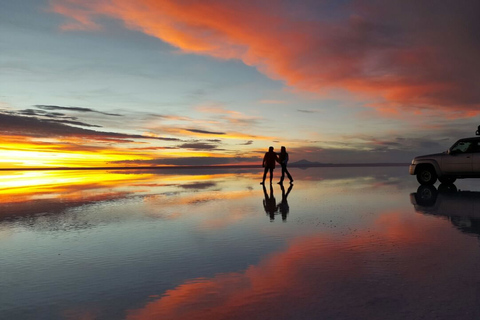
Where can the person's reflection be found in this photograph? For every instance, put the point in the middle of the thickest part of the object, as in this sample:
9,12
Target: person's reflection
269,203
283,206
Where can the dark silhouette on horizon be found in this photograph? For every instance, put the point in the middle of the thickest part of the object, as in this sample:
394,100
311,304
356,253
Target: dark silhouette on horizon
283,206
269,203
269,164
283,160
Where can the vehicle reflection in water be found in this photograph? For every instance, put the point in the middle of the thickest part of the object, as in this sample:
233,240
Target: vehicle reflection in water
462,208
270,204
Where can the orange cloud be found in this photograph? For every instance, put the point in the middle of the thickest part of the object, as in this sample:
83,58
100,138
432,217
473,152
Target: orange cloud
368,49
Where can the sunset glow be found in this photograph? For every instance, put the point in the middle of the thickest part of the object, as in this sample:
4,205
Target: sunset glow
162,83
239,160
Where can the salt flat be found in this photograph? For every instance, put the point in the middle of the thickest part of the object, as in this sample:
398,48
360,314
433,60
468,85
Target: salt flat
341,243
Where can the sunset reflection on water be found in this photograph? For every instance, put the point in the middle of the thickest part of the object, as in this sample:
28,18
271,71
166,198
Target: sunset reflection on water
341,243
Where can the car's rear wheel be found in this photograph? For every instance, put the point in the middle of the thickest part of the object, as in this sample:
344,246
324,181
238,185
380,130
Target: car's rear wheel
426,175
447,180
447,188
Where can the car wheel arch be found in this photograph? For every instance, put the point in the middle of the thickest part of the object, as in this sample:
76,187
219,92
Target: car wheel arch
433,164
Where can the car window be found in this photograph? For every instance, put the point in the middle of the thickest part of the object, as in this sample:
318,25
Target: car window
462,147
476,146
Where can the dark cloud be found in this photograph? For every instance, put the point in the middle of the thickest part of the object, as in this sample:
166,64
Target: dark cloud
192,161
206,140
198,146
204,131
249,142
15,125
154,148
198,185
307,111
76,123
42,113
51,117
76,109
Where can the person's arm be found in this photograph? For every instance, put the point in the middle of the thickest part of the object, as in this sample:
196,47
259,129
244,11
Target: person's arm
286,159
264,159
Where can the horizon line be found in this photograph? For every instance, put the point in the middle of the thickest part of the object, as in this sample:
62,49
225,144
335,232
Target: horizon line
313,165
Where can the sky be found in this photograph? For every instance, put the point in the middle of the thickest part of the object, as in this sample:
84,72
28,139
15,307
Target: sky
183,82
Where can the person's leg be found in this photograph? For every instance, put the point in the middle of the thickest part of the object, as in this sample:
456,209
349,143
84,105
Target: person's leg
283,174
288,174
271,175
264,175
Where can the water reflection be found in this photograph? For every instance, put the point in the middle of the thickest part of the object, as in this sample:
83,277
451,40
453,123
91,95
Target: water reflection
270,204
283,206
151,245
70,200
461,208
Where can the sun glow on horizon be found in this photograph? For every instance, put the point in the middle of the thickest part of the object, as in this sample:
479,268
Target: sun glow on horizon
44,156
59,159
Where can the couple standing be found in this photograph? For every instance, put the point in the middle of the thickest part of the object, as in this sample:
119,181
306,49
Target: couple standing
269,164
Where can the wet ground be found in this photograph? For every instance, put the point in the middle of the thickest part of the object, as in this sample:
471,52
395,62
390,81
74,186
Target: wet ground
341,243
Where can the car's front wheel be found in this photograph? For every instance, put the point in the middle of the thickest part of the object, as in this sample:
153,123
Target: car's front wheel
426,175
447,180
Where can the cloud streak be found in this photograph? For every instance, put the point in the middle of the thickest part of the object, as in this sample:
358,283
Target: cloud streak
198,146
76,109
15,125
205,131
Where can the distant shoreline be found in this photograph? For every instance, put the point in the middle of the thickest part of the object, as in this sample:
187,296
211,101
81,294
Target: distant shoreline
320,165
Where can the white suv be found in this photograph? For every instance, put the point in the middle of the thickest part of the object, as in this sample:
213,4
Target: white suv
462,160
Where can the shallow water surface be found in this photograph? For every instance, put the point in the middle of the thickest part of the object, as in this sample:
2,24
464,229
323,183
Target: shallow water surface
341,243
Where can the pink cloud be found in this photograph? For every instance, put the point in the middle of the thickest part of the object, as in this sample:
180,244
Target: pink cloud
408,55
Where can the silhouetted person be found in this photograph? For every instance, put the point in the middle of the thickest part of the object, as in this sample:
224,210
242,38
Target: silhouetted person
269,203
283,159
269,164
283,206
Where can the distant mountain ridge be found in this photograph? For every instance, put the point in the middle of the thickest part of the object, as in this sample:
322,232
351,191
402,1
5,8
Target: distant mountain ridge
306,163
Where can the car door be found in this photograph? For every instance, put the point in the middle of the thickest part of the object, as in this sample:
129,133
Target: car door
476,158
460,159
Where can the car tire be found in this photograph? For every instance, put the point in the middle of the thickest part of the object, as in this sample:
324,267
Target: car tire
426,195
426,175
447,188
447,180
